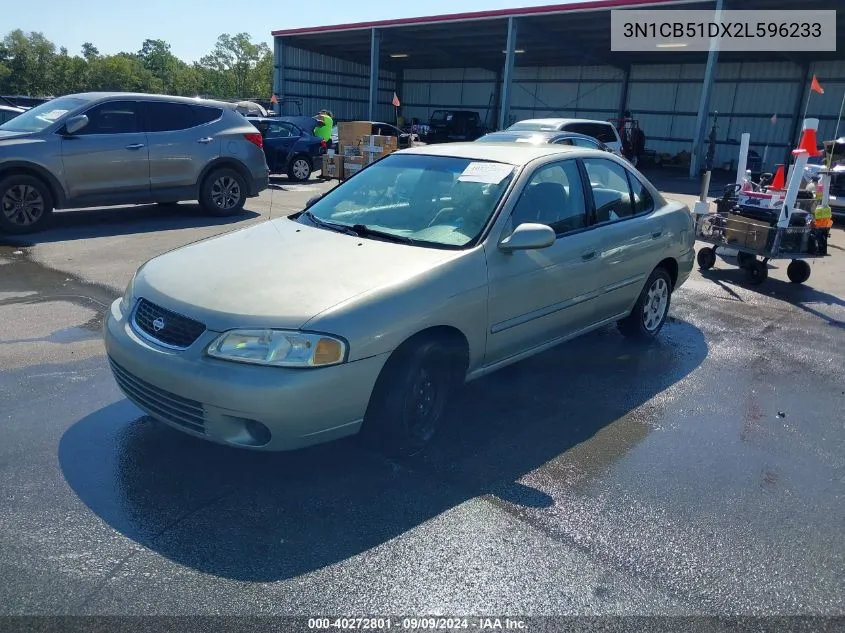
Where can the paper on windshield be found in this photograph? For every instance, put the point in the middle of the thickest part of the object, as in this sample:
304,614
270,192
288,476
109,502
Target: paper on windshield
487,173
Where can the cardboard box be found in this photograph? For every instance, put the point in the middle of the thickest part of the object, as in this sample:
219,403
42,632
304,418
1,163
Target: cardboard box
748,232
375,148
332,166
350,132
352,165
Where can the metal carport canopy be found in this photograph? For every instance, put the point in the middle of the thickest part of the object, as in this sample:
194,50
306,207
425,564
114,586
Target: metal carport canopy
575,34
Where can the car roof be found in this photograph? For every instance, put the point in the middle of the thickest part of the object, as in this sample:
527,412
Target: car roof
547,134
97,96
510,153
562,121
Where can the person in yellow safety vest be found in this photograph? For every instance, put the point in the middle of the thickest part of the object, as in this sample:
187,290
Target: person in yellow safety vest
324,126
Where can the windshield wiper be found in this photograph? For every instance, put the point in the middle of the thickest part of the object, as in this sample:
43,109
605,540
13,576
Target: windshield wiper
340,228
365,231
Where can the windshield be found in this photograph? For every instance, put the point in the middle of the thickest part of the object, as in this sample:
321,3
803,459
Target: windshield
42,116
427,200
533,125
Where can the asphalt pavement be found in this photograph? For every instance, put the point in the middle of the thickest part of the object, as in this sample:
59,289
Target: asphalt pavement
701,473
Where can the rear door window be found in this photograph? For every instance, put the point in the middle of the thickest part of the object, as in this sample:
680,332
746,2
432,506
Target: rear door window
611,191
169,117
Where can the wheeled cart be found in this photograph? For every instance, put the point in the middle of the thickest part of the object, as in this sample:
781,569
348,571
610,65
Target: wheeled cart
757,243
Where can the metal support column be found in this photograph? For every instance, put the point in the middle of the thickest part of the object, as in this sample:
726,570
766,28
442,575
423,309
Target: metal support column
623,99
278,72
400,92
507,75
698,148
375,48
798,109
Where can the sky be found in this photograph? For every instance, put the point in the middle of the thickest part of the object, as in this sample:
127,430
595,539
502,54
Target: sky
192,26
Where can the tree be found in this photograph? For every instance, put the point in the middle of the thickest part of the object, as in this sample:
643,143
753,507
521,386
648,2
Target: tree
236,67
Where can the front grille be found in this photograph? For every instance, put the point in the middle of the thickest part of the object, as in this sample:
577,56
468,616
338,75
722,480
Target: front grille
165,326
158,402
837,185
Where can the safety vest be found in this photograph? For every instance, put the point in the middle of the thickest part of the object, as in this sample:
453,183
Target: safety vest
823,217
324,130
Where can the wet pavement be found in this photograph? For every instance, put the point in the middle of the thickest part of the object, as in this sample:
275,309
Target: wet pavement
701,473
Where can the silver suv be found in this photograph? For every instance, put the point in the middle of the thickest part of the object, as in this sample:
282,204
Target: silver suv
104,149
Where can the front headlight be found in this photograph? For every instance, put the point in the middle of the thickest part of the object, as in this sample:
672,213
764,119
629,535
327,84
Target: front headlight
279,348
126,302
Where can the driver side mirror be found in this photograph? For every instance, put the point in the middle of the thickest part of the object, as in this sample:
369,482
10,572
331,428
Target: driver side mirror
311,202
528,236
75,123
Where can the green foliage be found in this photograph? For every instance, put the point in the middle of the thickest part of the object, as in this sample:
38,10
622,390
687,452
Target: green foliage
235,68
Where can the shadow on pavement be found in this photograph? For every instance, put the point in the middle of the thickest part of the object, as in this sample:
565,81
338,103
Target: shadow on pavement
802,296
80,224
256,516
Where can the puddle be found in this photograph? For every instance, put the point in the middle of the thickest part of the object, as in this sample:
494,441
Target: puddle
24,282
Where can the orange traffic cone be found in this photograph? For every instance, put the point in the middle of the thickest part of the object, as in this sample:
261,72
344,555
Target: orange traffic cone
808,142
779,181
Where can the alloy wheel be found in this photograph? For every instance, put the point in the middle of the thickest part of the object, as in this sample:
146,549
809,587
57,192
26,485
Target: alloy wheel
22,205
226,192
656,303
301,170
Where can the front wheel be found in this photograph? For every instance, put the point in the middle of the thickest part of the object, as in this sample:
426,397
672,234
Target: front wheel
25,205
798,271
652,307
300,169
223,193
756,272
706,258
410,399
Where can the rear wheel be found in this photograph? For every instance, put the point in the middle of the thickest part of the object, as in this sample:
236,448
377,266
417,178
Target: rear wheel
652,307
300,169
25,204
756,272
743,260
223,192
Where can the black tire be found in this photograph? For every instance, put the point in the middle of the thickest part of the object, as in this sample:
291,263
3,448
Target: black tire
743,260
756,272
223,193
26,205
652,307
706,258
419,379
798,271
300,168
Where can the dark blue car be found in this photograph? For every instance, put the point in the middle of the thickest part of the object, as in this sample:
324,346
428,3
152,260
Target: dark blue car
290,145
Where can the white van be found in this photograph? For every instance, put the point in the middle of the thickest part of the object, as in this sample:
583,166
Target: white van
600,130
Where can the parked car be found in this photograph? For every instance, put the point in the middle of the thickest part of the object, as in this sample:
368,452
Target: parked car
430,267
600,130
835,150
539,138
290,145
446,126
7,113
103,149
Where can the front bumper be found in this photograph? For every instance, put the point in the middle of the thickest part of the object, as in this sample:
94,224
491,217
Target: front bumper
221,400
837,206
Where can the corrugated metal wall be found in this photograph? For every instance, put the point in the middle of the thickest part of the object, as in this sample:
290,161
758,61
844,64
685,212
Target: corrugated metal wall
424,91
335,84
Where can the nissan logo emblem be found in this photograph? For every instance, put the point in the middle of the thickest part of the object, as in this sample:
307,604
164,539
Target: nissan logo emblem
158,324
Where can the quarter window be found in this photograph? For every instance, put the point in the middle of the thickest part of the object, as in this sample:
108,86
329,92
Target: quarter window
554,196
611,192
584,142
643,202
112,117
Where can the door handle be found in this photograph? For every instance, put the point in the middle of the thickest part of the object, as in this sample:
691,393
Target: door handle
135,146
207,139
656,234
588,256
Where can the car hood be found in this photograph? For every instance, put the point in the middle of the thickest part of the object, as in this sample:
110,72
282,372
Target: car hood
9,135
276,274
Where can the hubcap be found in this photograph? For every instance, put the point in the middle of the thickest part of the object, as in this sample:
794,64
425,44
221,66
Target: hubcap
225,192
22,205
656,303
301,169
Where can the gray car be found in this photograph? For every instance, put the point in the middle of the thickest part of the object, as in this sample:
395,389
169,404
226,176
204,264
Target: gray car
103,149
430,267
